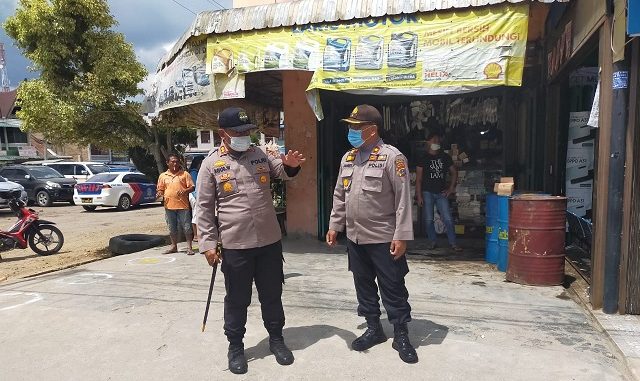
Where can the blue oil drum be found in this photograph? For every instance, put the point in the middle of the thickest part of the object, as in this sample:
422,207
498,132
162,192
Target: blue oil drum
491,235
503,232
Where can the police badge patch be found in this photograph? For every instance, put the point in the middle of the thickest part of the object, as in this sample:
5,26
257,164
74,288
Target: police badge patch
401,167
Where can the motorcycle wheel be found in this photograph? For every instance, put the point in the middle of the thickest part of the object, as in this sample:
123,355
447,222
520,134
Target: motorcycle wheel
46,240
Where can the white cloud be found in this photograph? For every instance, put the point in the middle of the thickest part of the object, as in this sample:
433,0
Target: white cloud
151,26
150,56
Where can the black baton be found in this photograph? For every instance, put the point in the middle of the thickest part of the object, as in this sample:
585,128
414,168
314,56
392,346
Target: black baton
206,310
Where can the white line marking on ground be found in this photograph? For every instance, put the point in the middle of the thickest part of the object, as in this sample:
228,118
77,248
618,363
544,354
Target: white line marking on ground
16,295
87,278
152,260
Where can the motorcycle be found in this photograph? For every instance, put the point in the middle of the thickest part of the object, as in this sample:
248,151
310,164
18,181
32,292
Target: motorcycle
42,236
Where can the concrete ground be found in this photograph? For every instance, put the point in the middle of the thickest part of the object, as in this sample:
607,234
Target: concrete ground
138,317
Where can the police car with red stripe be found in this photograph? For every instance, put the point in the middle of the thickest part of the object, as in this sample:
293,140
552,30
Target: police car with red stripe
120,189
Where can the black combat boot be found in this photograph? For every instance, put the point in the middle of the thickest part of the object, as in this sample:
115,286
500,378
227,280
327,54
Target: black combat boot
402,344
277,345
372,336
237,361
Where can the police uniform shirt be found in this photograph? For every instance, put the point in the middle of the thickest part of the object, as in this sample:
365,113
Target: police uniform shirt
239,187
372,198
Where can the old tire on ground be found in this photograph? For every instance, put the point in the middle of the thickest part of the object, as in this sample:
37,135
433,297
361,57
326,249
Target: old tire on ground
131,243
89,208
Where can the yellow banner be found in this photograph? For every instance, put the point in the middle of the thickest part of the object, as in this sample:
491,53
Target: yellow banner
442,51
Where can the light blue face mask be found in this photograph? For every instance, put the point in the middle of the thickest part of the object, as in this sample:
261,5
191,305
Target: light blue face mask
355,138
240,143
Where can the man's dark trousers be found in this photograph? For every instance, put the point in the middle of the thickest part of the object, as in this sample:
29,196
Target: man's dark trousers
241,268
370,261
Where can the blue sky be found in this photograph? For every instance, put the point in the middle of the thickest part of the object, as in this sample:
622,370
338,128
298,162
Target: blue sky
152,26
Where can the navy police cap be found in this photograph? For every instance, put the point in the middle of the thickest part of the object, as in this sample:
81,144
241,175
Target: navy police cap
236,119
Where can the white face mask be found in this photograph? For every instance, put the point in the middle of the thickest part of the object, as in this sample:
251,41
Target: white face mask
435,147
240,143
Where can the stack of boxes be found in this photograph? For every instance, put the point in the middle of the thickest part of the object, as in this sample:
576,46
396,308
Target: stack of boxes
469,207
579,178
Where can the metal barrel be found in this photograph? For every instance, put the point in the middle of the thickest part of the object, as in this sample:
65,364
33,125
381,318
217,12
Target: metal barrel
491,236
503,232
537,227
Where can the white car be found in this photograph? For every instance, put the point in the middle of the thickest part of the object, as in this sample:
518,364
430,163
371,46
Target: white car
120,189
7,187
77,170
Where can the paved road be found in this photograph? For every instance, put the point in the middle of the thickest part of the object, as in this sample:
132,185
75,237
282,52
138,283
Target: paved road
138,317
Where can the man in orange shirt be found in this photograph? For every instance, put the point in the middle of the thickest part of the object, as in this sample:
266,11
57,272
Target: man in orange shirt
175,185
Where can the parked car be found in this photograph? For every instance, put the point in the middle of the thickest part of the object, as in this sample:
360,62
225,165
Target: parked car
6,187
44,185
77,170
121,168
120,189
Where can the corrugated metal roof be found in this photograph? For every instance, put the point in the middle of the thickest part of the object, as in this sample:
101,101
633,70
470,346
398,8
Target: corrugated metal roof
302,12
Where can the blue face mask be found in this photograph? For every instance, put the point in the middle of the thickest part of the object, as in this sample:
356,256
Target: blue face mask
355,138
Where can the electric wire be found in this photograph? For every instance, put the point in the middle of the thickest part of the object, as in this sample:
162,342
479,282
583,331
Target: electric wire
175,1
214,2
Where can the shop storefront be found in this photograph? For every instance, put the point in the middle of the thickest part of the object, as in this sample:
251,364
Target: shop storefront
473,126
474,72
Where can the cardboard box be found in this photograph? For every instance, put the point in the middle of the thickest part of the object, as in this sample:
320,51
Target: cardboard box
503,189
579,201
506,180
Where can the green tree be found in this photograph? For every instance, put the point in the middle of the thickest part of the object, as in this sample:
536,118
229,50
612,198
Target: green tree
87,73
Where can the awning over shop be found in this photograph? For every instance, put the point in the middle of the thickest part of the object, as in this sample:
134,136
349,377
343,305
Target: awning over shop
304,12
375,47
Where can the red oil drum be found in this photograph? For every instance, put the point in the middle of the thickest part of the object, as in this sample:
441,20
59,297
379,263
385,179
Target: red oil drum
537,225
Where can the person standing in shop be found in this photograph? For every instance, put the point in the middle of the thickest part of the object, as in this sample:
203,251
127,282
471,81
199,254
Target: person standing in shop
372,203
234,184
432,188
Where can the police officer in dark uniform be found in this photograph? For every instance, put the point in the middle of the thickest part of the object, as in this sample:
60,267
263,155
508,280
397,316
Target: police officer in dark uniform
372,203
234,184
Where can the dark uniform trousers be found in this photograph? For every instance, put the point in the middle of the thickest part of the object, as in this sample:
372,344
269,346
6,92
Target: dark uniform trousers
371,261
241,268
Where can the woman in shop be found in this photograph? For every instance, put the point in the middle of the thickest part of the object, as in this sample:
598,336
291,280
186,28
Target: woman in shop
432,188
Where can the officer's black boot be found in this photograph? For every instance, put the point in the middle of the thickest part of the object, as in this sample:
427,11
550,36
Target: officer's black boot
277,345
402,344
372,336
237,361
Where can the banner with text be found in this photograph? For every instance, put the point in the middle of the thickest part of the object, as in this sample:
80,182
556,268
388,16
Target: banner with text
443,51
186,82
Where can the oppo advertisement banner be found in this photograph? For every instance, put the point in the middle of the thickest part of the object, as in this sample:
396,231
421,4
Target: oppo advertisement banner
580,154
186,82
431,53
